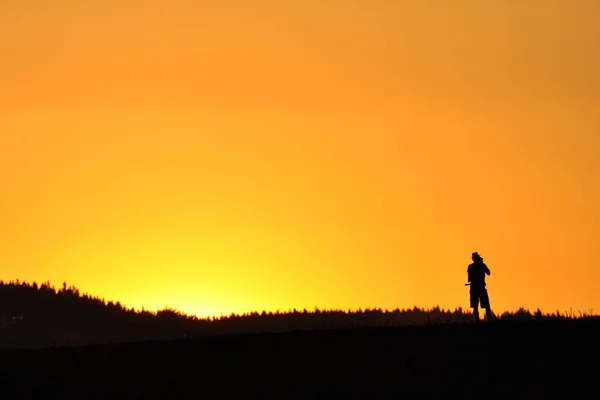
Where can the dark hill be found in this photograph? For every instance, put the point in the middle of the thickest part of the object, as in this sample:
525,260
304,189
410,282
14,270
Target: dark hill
37,316
504,359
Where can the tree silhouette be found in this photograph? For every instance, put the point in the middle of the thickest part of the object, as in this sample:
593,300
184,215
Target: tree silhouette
33,315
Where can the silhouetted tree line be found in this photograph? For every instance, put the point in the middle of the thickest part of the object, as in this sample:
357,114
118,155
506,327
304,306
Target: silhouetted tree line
33,315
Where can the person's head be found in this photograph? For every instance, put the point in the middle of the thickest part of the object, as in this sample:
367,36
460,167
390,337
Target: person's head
476,257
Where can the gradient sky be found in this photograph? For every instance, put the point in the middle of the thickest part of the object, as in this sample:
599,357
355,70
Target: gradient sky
229,156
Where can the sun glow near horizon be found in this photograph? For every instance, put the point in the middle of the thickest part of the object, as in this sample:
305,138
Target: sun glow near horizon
216,157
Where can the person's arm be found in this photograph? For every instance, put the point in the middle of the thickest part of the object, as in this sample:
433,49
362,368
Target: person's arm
487,270
469,274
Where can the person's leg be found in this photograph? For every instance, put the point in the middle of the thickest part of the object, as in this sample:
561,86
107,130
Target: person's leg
485,303
474,302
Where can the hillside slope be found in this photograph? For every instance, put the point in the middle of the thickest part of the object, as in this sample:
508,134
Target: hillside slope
505,359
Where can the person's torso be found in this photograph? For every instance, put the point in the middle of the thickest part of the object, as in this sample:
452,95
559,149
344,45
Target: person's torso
476,273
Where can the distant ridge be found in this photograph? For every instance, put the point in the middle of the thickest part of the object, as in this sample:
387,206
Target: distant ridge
33,316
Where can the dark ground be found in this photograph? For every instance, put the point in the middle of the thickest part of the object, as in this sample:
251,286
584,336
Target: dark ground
536,359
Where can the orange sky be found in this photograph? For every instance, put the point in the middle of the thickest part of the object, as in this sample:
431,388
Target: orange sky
219,156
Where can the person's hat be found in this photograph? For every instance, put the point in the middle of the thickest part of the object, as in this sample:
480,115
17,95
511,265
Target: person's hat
476,256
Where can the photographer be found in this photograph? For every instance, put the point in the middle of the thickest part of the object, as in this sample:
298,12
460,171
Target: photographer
476,273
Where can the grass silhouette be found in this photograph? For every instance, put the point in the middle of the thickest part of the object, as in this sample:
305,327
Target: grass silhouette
61,343
35,315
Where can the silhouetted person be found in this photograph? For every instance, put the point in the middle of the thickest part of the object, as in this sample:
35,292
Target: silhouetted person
479,296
